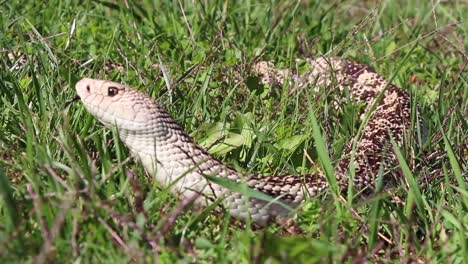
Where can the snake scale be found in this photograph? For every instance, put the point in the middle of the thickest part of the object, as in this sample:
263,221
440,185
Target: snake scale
170,154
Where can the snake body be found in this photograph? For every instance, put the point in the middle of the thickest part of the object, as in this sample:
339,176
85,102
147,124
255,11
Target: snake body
170,154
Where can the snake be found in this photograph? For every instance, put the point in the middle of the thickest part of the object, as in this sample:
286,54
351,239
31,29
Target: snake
172,157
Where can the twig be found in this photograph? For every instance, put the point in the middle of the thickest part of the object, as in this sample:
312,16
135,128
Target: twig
138,193
192,38
170,220
57,177
120,241
74,244
38,210
57,227
121,221
358,217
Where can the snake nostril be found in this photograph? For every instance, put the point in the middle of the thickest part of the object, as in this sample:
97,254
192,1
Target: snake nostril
88,88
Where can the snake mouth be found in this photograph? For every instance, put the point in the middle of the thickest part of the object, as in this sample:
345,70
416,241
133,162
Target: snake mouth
74,99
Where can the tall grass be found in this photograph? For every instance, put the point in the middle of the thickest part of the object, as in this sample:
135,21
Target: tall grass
70,191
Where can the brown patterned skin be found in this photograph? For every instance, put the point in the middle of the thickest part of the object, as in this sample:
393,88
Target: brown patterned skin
390,119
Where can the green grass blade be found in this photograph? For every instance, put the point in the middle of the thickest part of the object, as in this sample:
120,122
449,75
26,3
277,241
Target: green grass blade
322,153
325,161
243,189
453,162
414,191
9,203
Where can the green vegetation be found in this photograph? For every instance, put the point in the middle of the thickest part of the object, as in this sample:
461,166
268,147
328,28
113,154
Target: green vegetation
70,193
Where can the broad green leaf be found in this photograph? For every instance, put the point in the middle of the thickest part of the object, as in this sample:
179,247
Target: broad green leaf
290,143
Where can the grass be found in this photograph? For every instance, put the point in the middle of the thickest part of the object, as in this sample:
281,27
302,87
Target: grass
70,192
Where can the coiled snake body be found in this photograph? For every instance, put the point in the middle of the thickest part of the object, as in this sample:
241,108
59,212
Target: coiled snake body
169,153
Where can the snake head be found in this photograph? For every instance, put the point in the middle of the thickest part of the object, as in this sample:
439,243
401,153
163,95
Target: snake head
115,104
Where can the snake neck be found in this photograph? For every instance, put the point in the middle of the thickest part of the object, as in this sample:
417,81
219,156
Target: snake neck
171,156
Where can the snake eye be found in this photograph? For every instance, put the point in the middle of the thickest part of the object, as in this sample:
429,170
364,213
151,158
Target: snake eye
111,91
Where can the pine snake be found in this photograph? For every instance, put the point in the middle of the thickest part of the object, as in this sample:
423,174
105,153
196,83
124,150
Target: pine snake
169,153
